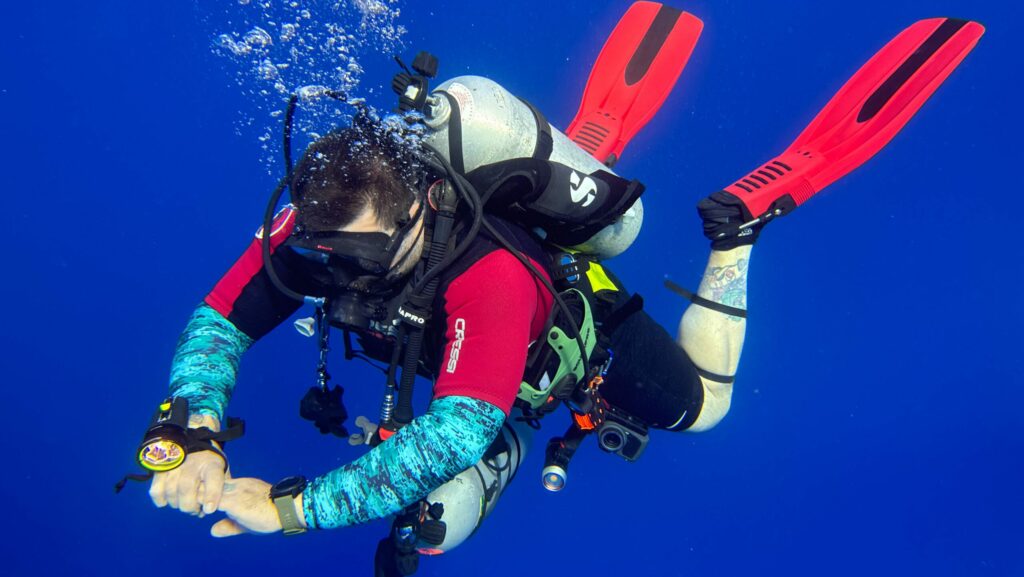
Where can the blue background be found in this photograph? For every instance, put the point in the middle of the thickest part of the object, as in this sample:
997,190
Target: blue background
875,426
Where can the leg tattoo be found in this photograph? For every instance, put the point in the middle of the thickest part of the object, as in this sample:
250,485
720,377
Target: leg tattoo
727,285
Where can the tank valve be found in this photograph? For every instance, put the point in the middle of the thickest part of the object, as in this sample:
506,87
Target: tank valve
413,86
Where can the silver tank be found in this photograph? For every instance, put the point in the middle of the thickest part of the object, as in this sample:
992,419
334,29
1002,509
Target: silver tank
472,494
497,126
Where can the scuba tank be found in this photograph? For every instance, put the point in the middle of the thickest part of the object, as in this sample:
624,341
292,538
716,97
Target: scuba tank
488,134
471,496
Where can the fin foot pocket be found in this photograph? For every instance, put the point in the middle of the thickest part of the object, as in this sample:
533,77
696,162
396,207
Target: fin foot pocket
724,218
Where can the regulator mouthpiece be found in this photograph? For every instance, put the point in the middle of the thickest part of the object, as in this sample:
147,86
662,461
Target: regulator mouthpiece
306,327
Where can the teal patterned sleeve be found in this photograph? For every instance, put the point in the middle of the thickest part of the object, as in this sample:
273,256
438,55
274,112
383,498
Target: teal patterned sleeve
451,437
206,362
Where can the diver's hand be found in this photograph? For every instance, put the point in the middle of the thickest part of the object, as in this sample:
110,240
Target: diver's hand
196,486
247,503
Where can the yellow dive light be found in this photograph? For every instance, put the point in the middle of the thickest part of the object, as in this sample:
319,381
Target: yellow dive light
168,440
165,444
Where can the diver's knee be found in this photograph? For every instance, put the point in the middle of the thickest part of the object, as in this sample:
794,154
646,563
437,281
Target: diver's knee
716,403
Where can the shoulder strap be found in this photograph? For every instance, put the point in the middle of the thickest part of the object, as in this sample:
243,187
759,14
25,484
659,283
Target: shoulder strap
545,143
455,135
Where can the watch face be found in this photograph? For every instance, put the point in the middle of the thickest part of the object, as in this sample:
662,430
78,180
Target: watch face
288,486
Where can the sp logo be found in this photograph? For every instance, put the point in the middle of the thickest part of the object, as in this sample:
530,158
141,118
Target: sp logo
582,191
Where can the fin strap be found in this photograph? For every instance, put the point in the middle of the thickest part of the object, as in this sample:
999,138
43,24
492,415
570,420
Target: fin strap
701,301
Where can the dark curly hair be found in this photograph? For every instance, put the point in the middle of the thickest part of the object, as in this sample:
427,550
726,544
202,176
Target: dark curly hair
347,170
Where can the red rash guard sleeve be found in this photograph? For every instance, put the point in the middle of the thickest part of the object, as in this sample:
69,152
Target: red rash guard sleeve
494,311
246,296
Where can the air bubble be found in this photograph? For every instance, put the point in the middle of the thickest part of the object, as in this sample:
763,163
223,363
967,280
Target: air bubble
288,32
316,45
311,92
258,37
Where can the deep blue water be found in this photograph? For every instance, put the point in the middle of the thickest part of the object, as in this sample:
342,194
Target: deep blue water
875,427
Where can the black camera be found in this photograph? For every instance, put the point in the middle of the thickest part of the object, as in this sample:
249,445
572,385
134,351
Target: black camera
622,435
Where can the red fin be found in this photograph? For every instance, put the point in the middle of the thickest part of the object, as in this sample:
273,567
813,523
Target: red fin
862,117
635,72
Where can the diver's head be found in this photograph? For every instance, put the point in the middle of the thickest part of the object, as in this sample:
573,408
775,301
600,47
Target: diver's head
358,200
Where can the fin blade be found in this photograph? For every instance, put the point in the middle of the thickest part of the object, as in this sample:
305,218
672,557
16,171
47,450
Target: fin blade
633,75
879,100
867,112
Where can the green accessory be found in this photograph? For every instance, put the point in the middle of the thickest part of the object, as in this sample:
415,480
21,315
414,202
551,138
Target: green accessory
556,365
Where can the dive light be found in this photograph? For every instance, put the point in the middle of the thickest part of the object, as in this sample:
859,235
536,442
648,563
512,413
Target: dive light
165,443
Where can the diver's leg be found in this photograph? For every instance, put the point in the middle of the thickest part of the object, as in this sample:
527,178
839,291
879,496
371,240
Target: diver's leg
683,383
713,339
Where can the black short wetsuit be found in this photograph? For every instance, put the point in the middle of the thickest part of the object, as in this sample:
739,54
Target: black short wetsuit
651,377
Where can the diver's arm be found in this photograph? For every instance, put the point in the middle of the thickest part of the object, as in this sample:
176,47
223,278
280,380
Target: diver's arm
712,339
205,365
240,309
204,370
452,436
243,306
449,438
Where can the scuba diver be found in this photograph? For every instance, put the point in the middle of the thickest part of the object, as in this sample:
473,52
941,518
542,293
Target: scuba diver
470,251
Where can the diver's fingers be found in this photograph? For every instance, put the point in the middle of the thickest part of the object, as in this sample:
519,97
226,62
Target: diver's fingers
156,489
171,487
212,488
188,494
226,528
201,499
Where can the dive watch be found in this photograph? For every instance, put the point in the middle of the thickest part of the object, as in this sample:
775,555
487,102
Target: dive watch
283,494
